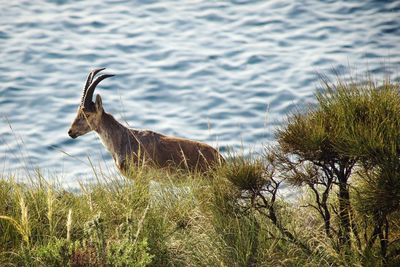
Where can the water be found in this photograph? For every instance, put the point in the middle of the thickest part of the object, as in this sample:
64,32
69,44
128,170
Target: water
221,72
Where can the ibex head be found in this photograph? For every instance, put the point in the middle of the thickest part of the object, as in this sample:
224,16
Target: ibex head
89,113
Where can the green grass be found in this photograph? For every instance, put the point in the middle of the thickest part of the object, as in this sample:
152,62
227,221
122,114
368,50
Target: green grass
236,215
161,219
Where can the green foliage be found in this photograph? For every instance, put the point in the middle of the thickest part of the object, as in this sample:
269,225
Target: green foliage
206,220
125,253
56,252
354,125
344,150
366,117
245,174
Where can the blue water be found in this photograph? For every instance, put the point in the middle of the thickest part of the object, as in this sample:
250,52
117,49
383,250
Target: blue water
222,72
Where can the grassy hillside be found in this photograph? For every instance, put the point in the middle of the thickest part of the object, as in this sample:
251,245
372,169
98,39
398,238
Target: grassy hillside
342,156
170,219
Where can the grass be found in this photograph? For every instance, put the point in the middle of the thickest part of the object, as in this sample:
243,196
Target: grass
160,219
343,153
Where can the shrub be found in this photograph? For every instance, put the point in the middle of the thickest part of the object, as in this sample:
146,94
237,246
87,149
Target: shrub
352,126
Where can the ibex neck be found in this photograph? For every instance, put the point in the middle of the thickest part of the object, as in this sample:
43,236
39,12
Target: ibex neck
111,133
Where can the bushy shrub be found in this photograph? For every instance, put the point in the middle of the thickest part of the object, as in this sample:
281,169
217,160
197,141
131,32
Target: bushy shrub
353,126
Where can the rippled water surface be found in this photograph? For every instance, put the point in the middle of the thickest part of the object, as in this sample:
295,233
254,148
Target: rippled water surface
221,72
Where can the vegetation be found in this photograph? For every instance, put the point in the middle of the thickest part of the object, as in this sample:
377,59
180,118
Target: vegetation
342,154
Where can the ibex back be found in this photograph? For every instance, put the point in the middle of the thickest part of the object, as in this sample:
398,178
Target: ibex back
130,146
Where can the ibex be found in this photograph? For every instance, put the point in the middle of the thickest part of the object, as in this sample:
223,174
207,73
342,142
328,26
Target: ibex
130,146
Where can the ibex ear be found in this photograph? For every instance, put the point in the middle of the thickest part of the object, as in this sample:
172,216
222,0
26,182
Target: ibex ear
99,103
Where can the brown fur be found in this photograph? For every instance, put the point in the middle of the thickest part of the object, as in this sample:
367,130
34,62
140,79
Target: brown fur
129,146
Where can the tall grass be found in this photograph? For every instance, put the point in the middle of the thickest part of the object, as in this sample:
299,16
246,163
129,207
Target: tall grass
162,218
234,215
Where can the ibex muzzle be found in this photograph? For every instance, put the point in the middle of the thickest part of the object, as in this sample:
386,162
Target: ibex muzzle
129,146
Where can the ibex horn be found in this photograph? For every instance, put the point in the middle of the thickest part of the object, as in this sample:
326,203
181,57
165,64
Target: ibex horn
89,81
90,89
